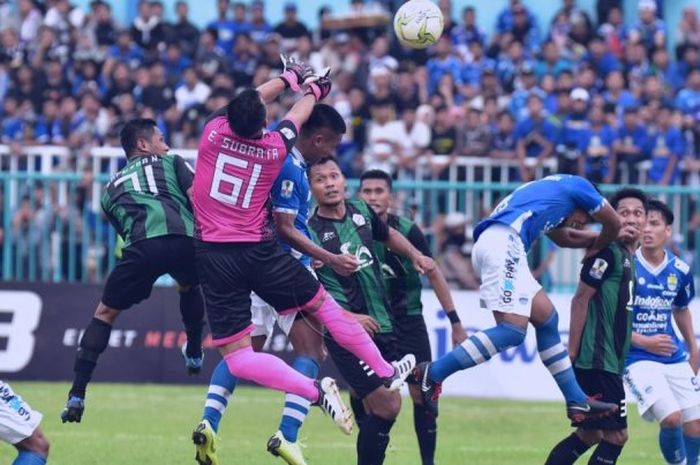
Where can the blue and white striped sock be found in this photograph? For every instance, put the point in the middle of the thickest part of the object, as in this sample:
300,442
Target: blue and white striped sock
221,386
478,348
556,358
296,408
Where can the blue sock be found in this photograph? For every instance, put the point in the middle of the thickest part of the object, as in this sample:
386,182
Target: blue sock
671,443
692,449
478,348
556,358
29,458
296,408
221,385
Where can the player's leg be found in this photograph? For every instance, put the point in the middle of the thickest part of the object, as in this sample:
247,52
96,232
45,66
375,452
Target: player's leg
378,407
686,390
225,272
609,448
33,450
305,335
290,287
671,434
691,436
569,449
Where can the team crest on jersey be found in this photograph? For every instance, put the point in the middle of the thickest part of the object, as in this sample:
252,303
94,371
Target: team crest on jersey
327,236
287,188
598,269
672,281
358,219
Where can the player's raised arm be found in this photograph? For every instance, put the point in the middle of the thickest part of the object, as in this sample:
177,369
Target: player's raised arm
573,238
294,75
611,223
315,92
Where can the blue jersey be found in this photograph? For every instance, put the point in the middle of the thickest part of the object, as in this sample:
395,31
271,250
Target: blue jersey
658,293
540,206
291,194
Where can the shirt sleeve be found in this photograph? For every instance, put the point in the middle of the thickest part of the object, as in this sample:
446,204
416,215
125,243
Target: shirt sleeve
285,191
585,196
686,291
289,131
596,269
184,173
380,230
418,240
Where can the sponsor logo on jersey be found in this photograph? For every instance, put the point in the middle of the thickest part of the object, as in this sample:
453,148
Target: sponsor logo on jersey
642,281
287,133
508,287
362,253
656,287
287,188
598,269
388,272
672,281
327,236
682,266
358,219
652,302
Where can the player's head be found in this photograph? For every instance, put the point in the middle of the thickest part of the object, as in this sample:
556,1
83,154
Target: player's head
658,228
631,205
247,114
142,136
321,133
375,189
327,182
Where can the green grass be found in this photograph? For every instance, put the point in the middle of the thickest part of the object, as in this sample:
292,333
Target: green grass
149,424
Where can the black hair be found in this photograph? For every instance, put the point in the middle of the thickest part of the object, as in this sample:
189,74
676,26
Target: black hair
246,113
324,116
626,193
656,205
324,160
377,174
133,130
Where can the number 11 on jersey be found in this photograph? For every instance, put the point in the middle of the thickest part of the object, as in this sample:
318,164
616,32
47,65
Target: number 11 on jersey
236,182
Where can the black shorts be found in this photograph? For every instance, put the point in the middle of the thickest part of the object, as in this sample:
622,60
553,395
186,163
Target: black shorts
412,338
357,373
606,387
142,263
230,271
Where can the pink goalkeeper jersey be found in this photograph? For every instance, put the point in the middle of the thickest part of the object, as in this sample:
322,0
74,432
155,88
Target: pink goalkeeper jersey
233,179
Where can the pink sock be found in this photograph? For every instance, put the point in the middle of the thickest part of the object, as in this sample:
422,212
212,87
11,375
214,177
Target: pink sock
270,371
350,334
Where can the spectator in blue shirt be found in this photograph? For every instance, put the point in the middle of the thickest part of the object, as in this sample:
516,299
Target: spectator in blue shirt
630,146
665,70
525,29
551,62
259,27
617,94
506,18
508,66
123,51
649,30
666,148
688,99
535,137
11,125
597,159
47,129
572,127
600,58
443,63
173,60
526,86
468,31
225,28
473,69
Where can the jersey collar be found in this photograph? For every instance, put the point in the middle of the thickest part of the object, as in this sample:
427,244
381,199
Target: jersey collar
298,157
648,266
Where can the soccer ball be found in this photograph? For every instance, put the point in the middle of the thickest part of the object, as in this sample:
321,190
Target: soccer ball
418,23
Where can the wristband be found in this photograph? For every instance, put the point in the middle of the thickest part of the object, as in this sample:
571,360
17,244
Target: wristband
453,317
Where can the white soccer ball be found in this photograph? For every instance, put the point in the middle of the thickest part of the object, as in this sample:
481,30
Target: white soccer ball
418,23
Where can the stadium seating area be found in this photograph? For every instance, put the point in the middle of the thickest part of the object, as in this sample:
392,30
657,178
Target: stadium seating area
584,95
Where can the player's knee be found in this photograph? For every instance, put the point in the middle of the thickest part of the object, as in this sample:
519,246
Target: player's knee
692,428
36,443
106,314
590,437
383,404
414,391
672,420
617,437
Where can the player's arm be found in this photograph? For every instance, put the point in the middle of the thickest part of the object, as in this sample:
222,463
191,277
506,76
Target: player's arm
594,272
573,238
440,287
344,264
611,223
684,321
185,175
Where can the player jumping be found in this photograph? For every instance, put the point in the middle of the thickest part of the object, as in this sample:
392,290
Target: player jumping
660,373
599,335
558,206
236,252
404,286
147,203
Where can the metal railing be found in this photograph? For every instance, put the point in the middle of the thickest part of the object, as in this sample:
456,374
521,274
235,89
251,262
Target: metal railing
53,229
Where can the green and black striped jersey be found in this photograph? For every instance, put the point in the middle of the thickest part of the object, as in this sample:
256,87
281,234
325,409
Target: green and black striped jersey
608,328
400,277
148,198
363,291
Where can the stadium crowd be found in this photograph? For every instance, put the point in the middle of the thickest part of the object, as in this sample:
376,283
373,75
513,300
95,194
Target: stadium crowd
595,94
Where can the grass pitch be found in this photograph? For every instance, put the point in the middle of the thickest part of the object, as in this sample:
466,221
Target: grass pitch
149,424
